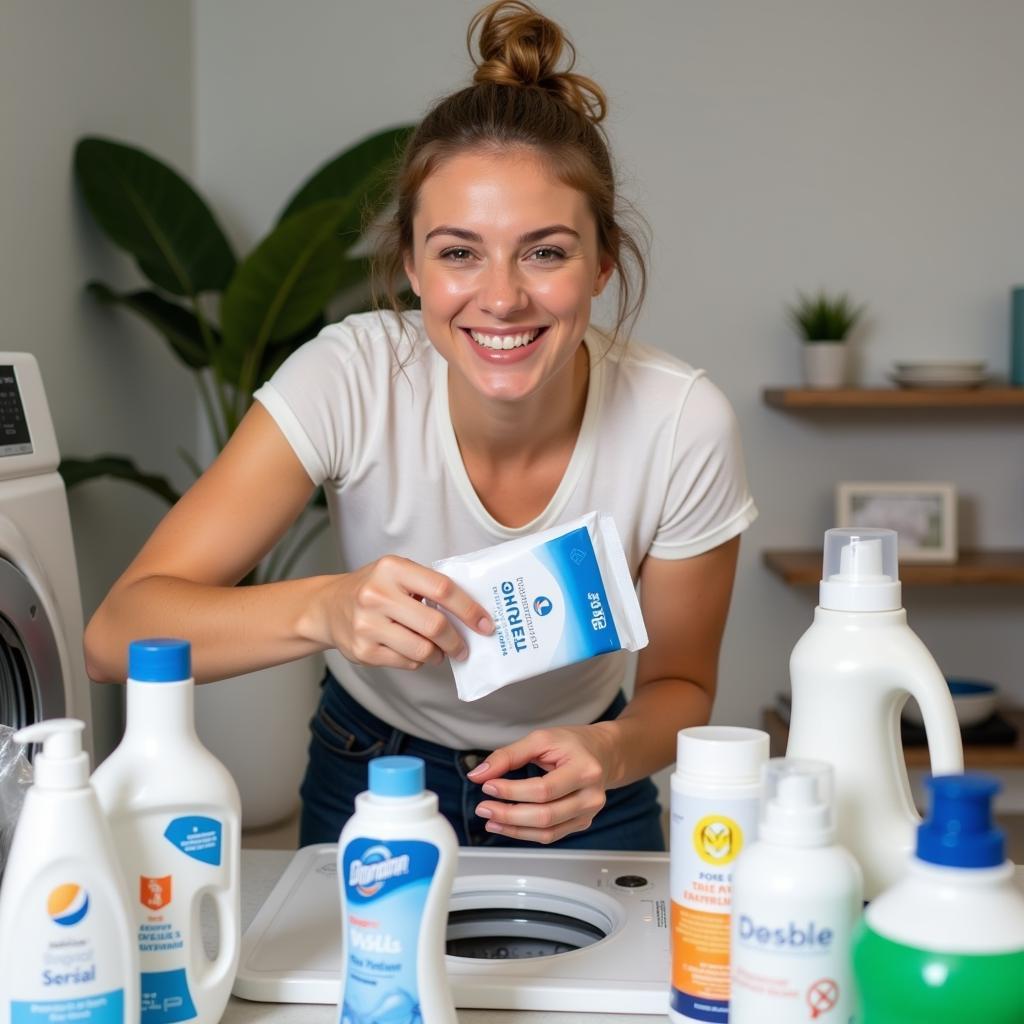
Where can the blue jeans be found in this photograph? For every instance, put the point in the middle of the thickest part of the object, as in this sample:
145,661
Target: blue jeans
345,737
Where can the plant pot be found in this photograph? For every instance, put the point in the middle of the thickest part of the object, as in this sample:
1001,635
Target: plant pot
257,724
825,364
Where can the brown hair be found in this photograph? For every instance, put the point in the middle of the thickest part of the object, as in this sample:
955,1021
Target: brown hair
518,99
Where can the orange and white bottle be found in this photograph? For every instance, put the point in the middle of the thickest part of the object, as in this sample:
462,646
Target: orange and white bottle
175,815
716,790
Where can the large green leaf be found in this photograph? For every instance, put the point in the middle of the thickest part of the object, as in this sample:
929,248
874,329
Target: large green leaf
152,212
360,176
280,288
77,471
178,326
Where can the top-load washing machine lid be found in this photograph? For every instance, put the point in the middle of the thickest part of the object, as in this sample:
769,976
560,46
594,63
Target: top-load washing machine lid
527,929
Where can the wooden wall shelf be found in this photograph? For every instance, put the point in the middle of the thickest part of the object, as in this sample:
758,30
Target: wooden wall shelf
991,568
799,399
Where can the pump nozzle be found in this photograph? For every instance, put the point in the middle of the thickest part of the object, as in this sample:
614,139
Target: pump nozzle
860,570
62,764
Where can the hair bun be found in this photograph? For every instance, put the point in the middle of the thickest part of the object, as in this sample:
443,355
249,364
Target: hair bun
519,46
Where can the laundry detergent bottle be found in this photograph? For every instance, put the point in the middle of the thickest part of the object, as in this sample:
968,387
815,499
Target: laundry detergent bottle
851,674
946,944
396,863
67,944
175,815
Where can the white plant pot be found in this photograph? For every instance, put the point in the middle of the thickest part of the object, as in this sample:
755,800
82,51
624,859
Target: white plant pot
825,363
258,726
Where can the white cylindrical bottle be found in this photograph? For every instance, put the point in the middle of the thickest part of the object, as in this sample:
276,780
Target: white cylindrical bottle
716,791
175,815
796,901
67,949
396,863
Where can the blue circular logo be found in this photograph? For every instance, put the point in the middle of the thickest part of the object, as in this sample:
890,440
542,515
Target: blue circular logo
542,605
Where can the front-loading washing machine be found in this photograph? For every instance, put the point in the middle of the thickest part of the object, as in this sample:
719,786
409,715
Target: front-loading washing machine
42,668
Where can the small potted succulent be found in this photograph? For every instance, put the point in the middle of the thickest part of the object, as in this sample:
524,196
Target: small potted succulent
824,323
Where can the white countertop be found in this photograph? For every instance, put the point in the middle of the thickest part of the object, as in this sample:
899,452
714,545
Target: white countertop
262,868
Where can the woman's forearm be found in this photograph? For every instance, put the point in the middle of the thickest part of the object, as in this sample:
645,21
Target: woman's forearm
643,738
232,629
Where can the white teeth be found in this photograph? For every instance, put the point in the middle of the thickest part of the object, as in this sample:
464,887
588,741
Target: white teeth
504,341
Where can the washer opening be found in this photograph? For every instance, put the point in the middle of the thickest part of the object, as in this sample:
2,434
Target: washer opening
18,704
496,919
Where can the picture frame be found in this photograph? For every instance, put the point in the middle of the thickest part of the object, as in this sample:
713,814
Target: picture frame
923,514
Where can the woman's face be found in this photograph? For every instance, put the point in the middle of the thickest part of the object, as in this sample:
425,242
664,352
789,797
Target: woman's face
506,264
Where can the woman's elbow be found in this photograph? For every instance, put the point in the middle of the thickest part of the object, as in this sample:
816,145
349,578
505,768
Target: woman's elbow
102,662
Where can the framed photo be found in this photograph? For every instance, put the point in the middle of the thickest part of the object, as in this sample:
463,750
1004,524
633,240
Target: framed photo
923,514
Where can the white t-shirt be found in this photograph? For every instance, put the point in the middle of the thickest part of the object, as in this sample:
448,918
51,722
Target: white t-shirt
366,411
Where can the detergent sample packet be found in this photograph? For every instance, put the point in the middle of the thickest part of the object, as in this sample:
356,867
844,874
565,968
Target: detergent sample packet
556,597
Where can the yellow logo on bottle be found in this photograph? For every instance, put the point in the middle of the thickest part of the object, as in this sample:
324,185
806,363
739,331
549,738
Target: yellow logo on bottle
717,839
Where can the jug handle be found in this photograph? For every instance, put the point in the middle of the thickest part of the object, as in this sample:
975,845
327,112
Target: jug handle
928,687
211,973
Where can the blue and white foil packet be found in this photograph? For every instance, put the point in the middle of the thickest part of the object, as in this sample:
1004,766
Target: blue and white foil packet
556,597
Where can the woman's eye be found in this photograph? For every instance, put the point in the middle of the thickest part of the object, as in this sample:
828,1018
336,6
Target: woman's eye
456,255
548,254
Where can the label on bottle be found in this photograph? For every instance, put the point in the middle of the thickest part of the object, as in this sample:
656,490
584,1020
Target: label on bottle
103,1008
197,837
706,838
385,884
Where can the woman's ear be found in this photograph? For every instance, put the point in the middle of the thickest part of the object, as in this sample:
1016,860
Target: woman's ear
410,272
604,272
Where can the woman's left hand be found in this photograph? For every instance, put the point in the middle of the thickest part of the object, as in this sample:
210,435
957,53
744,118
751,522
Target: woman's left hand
578,763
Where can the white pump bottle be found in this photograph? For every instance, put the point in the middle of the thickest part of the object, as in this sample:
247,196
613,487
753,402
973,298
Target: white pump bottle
175,815
851,674
67,945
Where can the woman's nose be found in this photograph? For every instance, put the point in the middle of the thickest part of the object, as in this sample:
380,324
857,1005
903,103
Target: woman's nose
501,290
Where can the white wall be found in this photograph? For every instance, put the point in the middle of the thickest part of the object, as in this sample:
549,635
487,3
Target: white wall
122,69
871,146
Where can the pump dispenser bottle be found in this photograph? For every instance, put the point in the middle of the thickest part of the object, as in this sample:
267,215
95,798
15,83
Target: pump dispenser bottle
796,901
67,946
946,944
851,674
175,815
396,864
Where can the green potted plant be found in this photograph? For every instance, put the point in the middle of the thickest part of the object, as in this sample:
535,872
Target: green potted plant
232,321
824,323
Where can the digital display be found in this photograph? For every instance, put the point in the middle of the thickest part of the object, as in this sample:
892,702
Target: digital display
14,436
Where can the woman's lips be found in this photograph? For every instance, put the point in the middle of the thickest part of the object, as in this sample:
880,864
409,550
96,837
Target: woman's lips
504,355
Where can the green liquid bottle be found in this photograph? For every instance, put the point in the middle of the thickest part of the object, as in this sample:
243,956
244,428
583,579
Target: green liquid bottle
946,943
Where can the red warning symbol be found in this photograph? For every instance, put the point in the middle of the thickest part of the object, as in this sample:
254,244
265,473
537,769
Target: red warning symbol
822,996
155,893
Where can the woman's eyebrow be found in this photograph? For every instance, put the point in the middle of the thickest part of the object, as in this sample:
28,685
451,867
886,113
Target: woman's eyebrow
525,239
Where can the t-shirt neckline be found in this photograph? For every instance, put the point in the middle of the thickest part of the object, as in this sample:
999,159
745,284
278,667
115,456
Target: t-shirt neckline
582,453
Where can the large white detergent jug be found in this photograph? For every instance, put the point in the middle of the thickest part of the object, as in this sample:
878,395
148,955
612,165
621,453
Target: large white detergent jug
175,815
851,674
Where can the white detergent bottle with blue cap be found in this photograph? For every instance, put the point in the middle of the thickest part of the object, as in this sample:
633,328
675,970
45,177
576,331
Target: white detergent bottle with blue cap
396,863
175,814
946,944
851,674
67,949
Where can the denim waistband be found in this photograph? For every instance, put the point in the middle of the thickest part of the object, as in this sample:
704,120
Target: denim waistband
398,741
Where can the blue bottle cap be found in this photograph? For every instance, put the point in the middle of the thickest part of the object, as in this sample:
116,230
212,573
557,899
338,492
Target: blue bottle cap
959,832
396,776
161,660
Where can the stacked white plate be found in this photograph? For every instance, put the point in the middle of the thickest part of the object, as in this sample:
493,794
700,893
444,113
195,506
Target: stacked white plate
947,373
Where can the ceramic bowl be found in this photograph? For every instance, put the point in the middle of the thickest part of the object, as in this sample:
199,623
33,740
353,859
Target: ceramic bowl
973,700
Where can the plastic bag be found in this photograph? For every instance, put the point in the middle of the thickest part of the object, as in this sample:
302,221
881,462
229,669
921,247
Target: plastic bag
15,778
556,597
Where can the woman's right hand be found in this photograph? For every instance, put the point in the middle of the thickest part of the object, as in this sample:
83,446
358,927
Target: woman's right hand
375,615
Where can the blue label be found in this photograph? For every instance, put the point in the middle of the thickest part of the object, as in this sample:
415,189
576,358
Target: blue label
698,1008
589,628
198,838
105,1008
385,886
165,997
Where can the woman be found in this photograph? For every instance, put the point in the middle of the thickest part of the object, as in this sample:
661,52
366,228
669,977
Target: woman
496,410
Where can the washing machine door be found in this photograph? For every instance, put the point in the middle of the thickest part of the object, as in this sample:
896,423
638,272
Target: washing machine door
31,685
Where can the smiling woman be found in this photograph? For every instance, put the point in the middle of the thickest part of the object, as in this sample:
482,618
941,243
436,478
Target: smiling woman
495,410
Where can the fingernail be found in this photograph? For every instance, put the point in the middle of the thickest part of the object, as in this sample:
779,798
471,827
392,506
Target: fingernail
485,625
490,789
483,812
493,826
479,769
461,655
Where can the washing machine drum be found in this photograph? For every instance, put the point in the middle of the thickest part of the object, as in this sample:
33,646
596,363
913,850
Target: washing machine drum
31,682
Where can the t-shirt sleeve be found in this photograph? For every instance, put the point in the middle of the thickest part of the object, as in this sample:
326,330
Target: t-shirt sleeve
707,500
319,399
